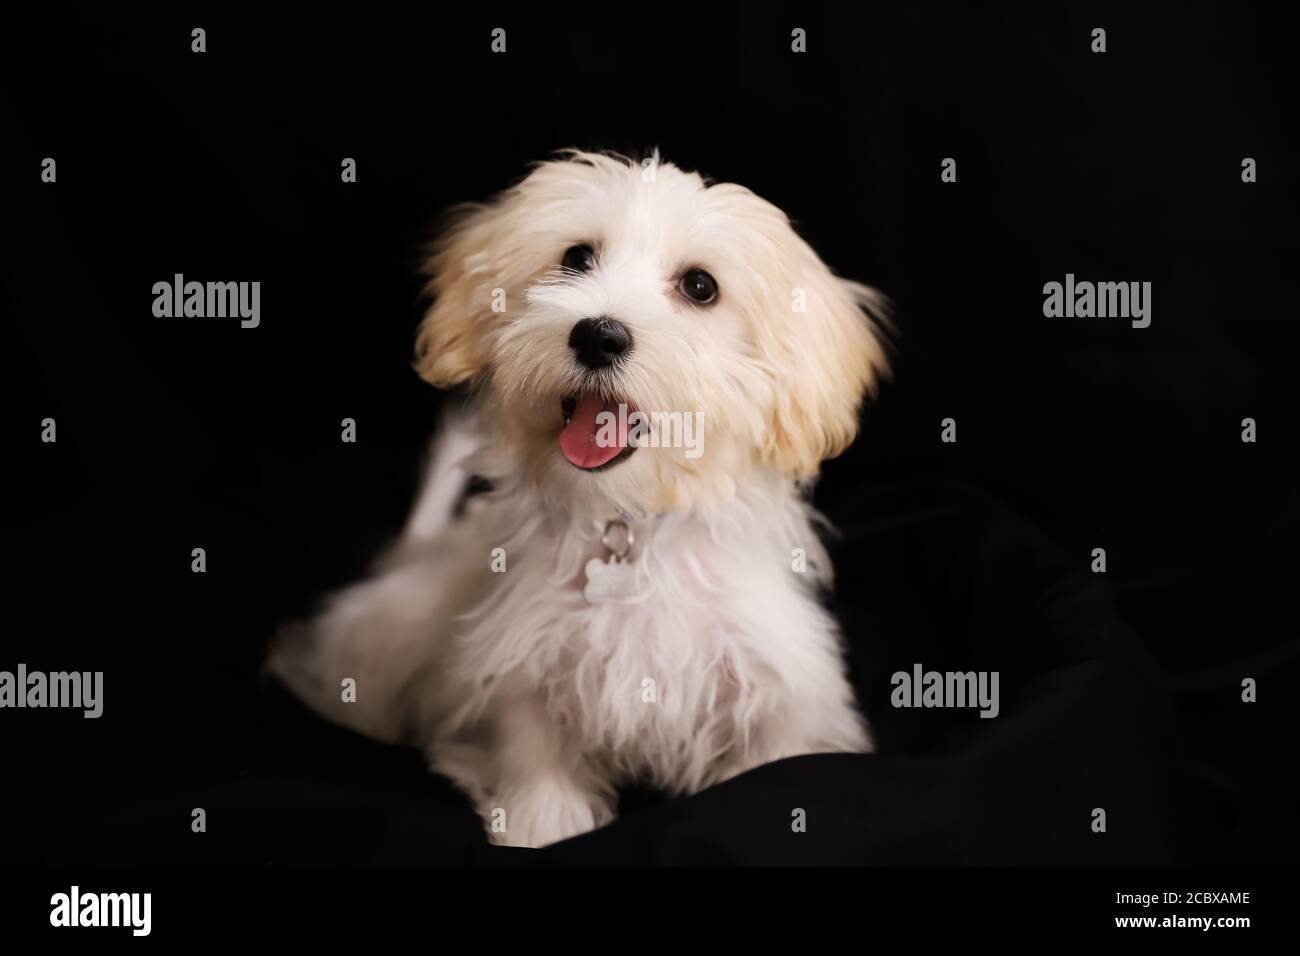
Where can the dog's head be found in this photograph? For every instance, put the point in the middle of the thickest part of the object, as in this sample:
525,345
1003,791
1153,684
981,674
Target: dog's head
643,339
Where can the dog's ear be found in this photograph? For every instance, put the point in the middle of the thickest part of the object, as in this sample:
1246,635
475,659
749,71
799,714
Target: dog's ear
829,350
468,287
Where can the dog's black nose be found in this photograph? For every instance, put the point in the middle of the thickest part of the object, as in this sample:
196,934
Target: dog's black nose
597,342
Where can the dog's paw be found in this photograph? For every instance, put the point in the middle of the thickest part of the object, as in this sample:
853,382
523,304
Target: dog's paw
544,812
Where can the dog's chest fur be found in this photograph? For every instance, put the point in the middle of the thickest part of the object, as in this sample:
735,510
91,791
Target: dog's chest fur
668,682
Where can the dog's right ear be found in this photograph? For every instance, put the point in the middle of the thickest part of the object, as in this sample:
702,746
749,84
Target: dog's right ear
469,285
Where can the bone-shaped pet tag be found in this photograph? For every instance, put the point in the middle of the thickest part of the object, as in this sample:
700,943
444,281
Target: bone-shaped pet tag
613,580
609,581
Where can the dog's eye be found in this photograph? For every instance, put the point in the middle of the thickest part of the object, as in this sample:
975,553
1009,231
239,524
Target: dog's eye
698,286
579,258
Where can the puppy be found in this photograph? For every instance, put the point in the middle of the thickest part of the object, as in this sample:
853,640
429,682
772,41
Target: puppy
658,365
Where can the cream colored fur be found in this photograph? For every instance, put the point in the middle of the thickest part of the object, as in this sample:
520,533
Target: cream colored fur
538,703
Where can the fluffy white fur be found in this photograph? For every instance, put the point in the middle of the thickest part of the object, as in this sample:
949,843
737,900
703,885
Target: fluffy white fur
533,700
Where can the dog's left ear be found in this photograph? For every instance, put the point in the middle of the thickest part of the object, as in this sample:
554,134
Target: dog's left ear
830,348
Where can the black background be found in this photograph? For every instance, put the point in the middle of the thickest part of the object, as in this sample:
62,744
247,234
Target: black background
1119,691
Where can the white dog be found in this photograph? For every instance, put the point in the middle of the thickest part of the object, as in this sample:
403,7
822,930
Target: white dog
615,609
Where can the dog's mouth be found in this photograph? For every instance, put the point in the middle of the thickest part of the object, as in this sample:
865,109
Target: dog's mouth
595,434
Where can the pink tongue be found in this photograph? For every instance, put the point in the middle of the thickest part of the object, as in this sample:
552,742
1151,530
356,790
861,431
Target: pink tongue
581,441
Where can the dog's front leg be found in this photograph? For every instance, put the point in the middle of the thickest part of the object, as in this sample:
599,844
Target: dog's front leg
529,782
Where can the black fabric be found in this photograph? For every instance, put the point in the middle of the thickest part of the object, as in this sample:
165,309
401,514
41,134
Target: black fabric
1119,690
929,570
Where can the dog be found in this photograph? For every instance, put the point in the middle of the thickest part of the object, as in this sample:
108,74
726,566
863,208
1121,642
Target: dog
614,610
